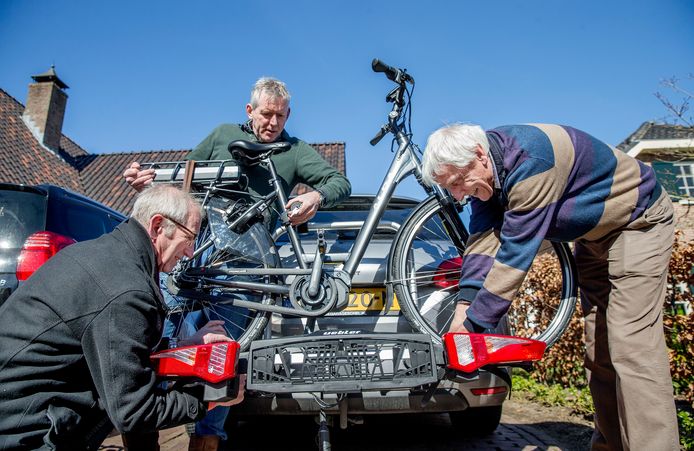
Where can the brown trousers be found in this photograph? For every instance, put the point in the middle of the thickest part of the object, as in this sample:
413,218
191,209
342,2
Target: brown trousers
623,280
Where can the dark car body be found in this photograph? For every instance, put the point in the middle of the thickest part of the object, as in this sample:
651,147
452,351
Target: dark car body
25,210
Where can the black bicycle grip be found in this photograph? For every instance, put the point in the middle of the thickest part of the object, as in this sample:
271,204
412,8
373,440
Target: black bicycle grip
379,66
381,133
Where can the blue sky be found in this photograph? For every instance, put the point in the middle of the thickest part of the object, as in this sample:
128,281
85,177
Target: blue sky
160,74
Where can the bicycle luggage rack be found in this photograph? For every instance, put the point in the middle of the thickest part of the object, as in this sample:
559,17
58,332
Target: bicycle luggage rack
220,171
341,362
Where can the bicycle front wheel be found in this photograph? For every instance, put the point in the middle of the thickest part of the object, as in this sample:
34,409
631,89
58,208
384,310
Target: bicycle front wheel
212,294
425,268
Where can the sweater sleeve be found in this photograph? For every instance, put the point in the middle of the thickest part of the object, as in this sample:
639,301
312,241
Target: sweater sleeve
203,151
314,171
117,347
533,190
481,247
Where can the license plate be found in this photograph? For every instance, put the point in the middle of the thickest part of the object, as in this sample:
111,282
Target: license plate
369,300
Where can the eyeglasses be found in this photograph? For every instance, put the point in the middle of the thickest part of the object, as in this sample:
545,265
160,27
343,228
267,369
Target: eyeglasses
190,238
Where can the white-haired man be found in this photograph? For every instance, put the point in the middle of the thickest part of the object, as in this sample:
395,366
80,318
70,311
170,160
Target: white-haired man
529,183
77,336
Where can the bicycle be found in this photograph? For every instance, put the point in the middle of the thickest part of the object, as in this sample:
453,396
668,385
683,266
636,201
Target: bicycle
236,267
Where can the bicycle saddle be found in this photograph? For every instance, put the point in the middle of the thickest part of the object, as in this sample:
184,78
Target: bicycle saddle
251,152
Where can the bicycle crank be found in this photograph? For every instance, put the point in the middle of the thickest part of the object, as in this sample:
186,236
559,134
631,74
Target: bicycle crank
330,295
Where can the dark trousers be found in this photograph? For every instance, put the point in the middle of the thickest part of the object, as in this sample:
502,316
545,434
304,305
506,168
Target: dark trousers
145,441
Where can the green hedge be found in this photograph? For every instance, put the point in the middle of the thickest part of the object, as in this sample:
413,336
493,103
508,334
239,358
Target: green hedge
679,327
530,313
563,363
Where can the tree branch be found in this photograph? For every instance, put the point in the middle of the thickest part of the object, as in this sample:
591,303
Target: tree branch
677,109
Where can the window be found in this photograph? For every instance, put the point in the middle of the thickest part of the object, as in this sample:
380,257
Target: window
676,177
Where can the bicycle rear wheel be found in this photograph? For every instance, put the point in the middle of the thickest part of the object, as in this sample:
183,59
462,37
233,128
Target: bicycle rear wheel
205,297
425,267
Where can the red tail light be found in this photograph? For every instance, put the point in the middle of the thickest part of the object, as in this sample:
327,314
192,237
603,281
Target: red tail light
213,362
37,249
468,352
448,273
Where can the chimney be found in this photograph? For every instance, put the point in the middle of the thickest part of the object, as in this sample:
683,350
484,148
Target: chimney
45,108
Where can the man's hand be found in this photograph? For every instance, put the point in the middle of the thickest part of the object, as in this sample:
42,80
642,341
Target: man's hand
459,318
211,332
309,206
138,178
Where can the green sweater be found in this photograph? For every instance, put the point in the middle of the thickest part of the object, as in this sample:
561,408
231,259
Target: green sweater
300,164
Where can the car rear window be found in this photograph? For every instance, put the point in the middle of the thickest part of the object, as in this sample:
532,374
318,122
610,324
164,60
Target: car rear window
21,214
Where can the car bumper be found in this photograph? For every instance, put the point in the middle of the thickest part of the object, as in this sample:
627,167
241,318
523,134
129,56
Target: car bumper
449,396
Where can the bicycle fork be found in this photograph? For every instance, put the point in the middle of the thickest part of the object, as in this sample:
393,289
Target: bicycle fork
451,219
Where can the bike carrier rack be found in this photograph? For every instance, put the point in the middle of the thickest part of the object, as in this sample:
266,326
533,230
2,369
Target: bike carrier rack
342,362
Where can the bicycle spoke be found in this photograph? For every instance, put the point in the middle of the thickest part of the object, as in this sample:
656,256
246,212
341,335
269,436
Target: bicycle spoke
428,275
238,318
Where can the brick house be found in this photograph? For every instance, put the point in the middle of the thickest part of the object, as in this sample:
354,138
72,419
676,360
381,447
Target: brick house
34,150
669,149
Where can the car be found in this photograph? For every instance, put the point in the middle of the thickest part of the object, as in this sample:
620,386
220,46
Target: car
37,221
372,311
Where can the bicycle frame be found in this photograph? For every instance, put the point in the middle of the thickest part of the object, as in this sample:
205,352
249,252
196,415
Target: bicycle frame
404,164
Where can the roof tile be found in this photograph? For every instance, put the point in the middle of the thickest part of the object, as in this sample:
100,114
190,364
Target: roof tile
651,130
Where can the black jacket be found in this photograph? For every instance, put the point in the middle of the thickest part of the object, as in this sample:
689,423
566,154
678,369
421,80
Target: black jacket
75,341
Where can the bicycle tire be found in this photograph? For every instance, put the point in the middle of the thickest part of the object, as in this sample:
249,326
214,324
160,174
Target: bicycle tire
424,276
257,251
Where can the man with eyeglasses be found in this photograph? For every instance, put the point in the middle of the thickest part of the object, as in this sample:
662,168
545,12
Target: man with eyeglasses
189,235
77,335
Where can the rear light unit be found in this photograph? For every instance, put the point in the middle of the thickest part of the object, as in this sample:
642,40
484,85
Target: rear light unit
37,249
448,273
214,362
468,352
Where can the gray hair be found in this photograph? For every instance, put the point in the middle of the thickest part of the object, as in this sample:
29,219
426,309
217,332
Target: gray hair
165,200
453,144
270,86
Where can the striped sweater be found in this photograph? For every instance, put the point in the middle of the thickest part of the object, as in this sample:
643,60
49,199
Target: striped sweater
556,183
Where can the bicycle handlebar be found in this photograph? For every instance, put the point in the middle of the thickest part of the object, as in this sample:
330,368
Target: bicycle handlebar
381,133
401,77
397,75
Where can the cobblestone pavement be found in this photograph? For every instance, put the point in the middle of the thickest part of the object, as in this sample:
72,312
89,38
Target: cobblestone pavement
514,437
378,433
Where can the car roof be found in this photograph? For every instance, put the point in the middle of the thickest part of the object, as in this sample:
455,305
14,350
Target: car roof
24,188
59,192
